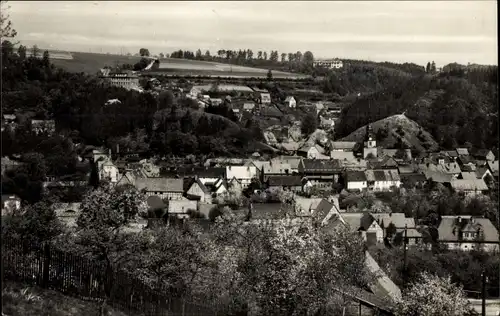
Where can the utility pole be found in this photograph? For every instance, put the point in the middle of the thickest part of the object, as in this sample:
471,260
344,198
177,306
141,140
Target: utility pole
405,241
483,294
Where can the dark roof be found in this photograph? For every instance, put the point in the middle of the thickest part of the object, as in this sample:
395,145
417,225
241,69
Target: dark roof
191,171
480,153
160,184
415,177
7,197
450,227
284,180
355,176
271,111
319,165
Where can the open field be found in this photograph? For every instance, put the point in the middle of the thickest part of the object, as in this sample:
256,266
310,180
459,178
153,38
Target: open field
92,62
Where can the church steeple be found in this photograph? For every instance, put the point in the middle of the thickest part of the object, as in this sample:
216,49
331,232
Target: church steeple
370,144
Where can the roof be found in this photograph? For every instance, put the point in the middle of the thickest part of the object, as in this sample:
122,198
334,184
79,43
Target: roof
319,165
201,172
462,151
382,175
438,177
481,153
393,152
450,225
481,171
293,161
7,197
352,176
276,168
469,185
383,163
342,145
342,155
160,184
414,177
284,181
408,169
398,219
306,205
468,175
290,146
358,221
447,168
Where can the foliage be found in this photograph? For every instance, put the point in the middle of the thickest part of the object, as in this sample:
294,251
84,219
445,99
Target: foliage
6,29
434,296
34,224
309,124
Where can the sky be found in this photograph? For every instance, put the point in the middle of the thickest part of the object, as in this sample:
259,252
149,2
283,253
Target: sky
397,31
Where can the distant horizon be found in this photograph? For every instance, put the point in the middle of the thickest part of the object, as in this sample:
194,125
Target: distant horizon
118,53
394,31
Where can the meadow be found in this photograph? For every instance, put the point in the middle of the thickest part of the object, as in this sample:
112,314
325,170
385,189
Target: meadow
92,62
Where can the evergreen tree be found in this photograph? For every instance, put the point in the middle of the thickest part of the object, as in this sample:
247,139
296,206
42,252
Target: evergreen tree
433,67
428,67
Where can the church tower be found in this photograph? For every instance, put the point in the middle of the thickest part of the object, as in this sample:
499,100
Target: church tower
370,144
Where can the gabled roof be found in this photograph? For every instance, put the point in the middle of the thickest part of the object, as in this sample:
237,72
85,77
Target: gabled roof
398,219
382,175
355,176
469,185
358,221
318,165
462,151
284,181
343,155
342,145
450,226
468,175
383,163
480,172
293,161
406,169
413,177
438,177
160,184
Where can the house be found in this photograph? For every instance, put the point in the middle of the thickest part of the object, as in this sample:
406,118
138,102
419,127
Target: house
67,213
365,225
384,163
8,121
321,173
329,63
355,180
469,187
165,188
483,155
107,170
293,161
467,232
483,173
248,107
342,146
401,223
306,206
291,183
244,174
309,151
382,180
407,169
264,98
43,126
493,167
215,101
10,204
181,207
343,155
462,151
290,102
197,190
452,169
275,169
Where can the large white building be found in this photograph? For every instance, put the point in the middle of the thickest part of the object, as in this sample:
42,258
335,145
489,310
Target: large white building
329,63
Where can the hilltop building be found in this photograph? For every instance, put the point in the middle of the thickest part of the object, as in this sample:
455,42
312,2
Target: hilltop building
127,80
329,63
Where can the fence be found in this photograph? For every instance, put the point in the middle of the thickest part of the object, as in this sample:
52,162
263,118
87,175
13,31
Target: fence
89,280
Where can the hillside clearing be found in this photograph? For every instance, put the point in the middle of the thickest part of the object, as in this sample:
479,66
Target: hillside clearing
398,127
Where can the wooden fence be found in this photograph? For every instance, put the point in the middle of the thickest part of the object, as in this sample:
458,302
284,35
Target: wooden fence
89,280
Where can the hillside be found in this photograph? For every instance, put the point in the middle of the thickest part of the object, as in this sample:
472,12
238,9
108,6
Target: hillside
21,300
455,110
397,128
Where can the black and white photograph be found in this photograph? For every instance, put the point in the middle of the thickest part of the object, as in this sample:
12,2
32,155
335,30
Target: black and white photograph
250,158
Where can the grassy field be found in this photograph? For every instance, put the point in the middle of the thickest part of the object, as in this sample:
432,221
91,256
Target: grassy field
92,62
24,300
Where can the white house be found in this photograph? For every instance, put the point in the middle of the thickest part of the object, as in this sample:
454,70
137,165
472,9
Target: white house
382,180
244,174
329,63
467,232
365,224
107,170
291,102
356,180
309,151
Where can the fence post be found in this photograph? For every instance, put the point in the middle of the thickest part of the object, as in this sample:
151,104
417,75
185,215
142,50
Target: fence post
46,262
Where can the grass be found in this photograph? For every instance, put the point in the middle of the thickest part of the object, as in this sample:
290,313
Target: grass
23,300
409,136
91,63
